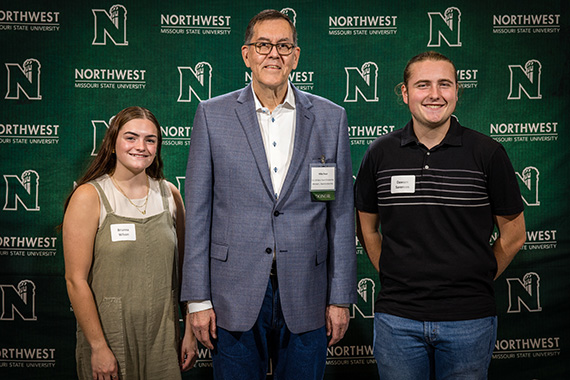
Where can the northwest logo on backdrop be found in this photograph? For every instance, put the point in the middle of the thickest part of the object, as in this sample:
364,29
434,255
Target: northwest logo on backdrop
467,78
362,81
109,78
525,293
528,184
99,129
365,134
368,25
20,300
29,21
446,27
23,191
540,240
24,80
538,23
535,240
525,79
197,81
527,347
303,80
175,135
181,182
112,25
290,12
29,133
524,131
28,246
365,304
195,24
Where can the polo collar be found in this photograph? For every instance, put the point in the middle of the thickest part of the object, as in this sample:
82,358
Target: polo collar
453,137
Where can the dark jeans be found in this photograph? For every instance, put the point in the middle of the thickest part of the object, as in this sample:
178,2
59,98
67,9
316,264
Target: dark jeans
245,355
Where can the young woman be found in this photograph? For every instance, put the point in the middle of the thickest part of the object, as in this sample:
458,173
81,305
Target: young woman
123,234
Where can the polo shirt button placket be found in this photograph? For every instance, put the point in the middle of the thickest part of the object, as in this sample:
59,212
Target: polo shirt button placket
426,166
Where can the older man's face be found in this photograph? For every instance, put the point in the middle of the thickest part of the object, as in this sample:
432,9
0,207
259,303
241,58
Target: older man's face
271,71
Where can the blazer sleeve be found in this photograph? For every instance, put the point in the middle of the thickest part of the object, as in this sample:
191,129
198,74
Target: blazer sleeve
198,200
342,248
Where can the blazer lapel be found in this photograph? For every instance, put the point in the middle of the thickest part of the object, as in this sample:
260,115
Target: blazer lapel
303,129
248,119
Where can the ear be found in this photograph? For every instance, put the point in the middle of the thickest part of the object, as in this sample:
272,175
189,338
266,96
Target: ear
245,55
296,54
404,90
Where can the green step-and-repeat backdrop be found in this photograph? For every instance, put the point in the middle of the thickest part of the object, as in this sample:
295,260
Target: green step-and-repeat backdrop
67,67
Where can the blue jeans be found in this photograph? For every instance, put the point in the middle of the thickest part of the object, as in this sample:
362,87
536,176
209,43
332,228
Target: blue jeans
406,349
245,355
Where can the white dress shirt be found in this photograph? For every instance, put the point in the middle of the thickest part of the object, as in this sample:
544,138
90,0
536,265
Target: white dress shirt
278,134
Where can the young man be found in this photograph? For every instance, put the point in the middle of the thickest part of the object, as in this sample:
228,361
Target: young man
437,190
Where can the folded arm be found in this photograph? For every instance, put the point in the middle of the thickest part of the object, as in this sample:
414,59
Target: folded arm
512,235
367,225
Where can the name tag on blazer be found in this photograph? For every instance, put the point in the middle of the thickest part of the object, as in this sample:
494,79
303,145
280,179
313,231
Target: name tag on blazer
322,181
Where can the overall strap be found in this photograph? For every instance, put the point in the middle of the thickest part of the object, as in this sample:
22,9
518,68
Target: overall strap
163,192
102,196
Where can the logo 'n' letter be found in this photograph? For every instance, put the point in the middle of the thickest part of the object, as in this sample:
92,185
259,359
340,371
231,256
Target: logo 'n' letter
365,305
290,12
524,293
445,27
99,129
21,301
24,80
525,80
197,82
363,82
112,25
23,191
528,184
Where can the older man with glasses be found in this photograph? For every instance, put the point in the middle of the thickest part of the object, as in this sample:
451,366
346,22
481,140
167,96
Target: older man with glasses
270,262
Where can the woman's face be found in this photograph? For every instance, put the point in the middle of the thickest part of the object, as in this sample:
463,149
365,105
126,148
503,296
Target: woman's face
136,145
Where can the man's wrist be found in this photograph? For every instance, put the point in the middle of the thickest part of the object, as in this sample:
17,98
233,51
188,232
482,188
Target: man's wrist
196,306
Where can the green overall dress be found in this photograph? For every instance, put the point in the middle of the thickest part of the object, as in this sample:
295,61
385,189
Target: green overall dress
134,284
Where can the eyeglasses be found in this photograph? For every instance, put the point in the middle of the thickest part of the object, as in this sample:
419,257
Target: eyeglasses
265,48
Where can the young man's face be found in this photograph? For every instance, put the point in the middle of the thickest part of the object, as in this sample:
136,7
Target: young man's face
431,93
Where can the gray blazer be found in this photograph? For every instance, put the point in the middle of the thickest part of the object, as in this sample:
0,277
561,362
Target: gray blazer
234,223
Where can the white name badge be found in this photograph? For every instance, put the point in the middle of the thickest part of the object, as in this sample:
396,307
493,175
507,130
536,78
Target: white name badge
123,232
322,178
403,184
322,184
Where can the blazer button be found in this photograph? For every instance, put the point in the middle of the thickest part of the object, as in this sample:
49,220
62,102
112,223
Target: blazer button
268,250
276,213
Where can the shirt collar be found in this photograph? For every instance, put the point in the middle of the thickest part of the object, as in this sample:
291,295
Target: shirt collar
453,136
289,101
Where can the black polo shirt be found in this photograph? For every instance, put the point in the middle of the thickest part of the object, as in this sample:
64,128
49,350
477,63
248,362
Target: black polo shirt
436,210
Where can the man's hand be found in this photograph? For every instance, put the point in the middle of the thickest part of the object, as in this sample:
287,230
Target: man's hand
337,319
204,325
